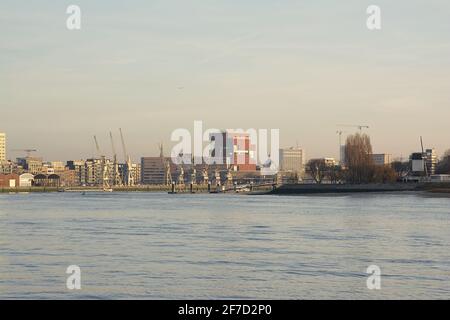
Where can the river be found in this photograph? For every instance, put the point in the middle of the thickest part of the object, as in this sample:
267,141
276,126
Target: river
213,246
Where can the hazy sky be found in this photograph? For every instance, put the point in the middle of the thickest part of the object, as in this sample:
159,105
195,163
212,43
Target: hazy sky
153,66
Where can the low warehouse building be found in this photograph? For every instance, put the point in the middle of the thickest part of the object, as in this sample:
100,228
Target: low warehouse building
26,180
9,180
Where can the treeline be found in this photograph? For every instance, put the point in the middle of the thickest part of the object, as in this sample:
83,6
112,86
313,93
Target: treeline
360,168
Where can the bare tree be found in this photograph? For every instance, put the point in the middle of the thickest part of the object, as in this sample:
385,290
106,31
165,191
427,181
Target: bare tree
358,155
334,173
384,174
443,166
317,168
401,168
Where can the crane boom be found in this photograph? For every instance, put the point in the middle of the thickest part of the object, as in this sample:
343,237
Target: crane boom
112,145
96,145
125,155
27,151
360,127
129,180
117,179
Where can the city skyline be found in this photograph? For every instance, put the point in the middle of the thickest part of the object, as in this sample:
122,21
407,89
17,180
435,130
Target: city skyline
302,68
21,153
224,158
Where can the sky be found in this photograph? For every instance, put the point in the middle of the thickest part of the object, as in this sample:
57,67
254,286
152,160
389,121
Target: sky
150,67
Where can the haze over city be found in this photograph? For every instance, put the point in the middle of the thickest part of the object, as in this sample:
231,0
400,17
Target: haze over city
150,67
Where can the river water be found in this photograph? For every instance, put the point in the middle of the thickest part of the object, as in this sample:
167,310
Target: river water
160,246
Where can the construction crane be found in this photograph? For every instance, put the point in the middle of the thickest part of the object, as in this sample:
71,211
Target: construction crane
27,151
104,167
117,180
360,127
129,180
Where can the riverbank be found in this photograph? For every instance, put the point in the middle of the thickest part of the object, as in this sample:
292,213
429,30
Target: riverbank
360,188
152,188
435,188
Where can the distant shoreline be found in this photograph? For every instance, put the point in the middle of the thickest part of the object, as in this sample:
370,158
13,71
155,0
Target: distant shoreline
287,189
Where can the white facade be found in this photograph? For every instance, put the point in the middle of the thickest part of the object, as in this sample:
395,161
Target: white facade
381,159
440,178
292,160
26,180
431,160
418,165
2,146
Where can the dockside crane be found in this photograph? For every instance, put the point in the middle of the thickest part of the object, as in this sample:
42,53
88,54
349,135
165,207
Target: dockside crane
104,167
129,180
117,179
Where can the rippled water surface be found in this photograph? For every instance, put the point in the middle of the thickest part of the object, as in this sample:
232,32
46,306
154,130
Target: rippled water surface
160,246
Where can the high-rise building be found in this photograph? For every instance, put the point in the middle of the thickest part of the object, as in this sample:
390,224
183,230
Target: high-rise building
342,156
431,161
234,149
2,146
79,168
292,160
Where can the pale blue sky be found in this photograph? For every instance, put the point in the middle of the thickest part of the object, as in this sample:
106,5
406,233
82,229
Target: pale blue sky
153,66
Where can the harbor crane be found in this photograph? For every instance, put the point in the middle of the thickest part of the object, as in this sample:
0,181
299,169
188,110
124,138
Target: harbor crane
129,180
117,180
27,151
360,127
104,168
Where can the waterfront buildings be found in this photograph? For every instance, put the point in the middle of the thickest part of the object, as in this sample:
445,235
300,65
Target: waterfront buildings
431,160
381,159
154,169
79,170
26,180
7,167
234,149
292,160
9,180
440,178
2,147
329,162
135,170
32,165
424,163
342,157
